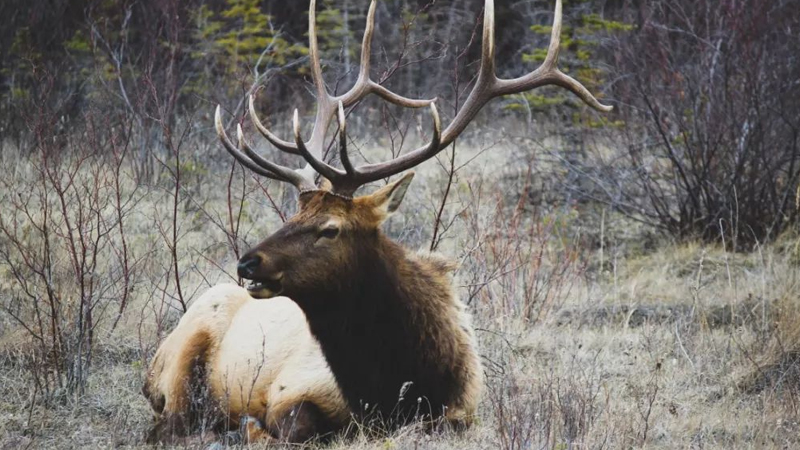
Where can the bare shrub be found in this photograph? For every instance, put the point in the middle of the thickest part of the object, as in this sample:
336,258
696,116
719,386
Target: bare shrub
711,143
546,408
517,269
63,242
517,263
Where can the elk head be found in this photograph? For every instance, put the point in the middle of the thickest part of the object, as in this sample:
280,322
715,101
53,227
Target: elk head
316,246
316,250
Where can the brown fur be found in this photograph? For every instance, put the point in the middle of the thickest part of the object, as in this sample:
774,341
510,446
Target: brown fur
396,337
259,364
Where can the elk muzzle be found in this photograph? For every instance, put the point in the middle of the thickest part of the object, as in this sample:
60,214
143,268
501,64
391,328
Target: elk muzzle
264,276
248,265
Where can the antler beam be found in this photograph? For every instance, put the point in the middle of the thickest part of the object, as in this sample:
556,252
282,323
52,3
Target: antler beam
488,86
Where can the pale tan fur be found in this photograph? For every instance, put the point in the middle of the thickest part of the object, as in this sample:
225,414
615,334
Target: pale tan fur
260,358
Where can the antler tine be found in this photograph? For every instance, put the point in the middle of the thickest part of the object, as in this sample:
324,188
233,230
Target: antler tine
343,156
554,48
233,150
282,145
549,74
487,43
397,99
313,53
253,160
366,42
286,173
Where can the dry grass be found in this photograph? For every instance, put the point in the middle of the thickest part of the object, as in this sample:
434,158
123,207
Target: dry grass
685,346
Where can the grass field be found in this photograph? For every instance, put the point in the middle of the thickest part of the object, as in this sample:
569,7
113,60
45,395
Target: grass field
590,338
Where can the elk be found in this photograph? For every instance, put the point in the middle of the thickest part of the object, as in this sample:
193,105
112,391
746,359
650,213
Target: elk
255,359
395,335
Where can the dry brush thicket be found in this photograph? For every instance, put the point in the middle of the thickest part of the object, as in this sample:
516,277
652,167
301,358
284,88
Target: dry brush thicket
685,345
596,329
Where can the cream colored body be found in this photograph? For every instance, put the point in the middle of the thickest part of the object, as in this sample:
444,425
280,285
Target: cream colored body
261,359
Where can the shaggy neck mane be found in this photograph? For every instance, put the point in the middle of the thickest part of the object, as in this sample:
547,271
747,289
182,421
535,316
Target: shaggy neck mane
393,334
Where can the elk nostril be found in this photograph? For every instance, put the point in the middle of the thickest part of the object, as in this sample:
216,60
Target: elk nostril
247,266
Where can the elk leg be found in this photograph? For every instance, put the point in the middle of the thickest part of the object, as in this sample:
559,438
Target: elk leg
253,431
301,422
166,428
173,405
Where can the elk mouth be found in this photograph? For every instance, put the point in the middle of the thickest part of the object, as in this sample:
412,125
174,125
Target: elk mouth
266,288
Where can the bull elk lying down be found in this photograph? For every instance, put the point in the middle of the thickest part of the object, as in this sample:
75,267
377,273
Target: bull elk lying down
391,331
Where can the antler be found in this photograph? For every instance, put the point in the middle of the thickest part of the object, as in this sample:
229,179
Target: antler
487,87
327,105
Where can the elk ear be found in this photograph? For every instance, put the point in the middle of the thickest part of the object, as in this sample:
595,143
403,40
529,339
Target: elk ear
387,199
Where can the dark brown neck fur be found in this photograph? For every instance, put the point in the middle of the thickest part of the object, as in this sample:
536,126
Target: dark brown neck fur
395,322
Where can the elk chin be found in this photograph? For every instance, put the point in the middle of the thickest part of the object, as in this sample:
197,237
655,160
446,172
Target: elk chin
261,289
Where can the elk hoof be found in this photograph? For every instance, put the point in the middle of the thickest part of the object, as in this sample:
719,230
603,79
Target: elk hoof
251,429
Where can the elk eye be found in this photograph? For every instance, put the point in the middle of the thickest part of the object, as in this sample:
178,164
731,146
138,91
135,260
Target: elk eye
329,232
